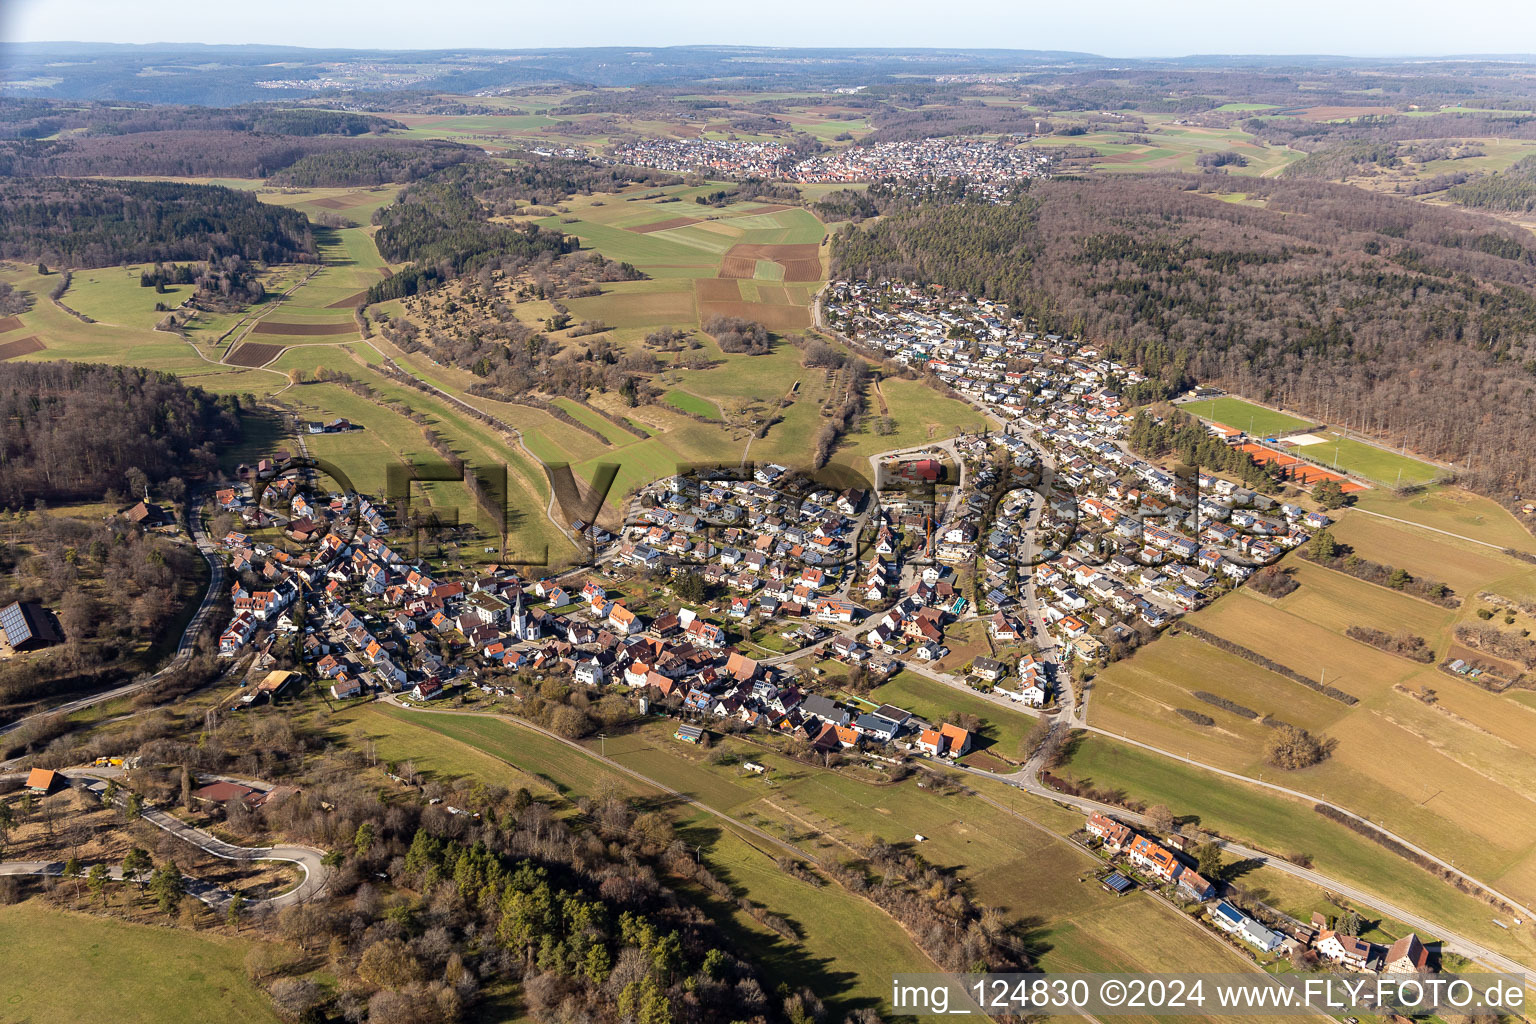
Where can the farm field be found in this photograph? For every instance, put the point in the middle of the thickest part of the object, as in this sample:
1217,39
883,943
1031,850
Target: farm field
692,404
852,945
1170,147
1428,755
1289,828
983,840
844,933
74,960
1453,510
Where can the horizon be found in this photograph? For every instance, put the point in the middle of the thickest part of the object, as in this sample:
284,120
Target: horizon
1115,30
1426,56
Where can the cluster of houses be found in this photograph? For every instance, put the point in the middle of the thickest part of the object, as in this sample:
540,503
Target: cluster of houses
983,161
779,552
733,158
812,558
1154,859
1405,956
991,164
377,621
1119,543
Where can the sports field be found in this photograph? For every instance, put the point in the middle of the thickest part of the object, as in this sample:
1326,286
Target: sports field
1256,420
1371,462
1331,449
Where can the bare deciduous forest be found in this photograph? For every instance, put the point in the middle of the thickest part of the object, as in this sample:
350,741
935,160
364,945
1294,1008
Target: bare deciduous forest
1414,323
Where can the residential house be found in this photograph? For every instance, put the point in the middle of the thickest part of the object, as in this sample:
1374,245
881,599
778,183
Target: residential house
1346,950
1406,956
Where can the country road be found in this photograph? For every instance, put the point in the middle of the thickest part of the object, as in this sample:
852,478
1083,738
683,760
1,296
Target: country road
184,647
317,876
309,860
1028,781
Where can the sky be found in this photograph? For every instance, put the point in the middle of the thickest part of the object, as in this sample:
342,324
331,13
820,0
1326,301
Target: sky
1115,28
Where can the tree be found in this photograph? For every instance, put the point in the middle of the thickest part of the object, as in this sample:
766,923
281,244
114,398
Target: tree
1160,818
1349,923
135,862
134,808
1399,579
363,840
167,886
1330,495
1324,547
7,820
138,482
1292,748
72,870
235,911
97,882
1208,856
297,999
388,964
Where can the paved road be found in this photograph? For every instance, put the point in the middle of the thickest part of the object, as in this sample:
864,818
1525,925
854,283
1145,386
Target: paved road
209,893
316,875
1029,782
184,647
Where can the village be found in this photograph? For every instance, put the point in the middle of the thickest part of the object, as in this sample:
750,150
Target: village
367,620
1048,534
994,163
1100,544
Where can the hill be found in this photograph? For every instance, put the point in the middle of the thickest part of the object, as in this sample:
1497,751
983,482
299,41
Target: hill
75,430
101,223
1362,309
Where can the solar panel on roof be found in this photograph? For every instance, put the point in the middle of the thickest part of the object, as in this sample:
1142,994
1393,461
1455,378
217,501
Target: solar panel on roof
1117,882
13,623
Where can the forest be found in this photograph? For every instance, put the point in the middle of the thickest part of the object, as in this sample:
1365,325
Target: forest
316,160
523,179
1512,190
72,431
443,230
106,223
1408,322
39,118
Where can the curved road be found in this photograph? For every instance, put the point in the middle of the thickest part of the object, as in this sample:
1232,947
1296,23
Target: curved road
1027,779
184,646
316,875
